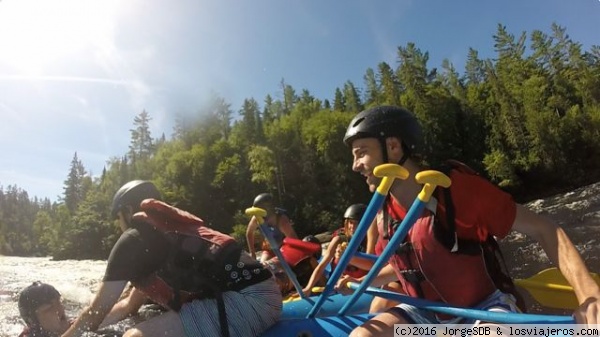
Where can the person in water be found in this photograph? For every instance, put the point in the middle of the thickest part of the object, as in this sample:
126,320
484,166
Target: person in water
41,308
277,221
209,284
434,262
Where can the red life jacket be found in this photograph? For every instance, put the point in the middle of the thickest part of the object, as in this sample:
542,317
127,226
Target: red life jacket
37,331
295,251
434,263
350,270
427,269
206,262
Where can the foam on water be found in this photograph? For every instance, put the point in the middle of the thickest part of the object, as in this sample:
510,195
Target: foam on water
75,280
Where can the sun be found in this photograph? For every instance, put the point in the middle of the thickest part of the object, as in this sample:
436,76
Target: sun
35,35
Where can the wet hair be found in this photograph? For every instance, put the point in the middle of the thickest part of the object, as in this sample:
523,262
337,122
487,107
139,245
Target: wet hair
34,296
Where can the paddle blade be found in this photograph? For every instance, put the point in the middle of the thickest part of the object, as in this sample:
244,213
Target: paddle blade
550,288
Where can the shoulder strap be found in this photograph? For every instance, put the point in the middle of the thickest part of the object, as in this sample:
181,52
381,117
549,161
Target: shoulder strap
447,234
494,259
168,218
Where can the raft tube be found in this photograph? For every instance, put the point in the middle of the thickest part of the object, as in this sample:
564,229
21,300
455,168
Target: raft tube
332,326
299,308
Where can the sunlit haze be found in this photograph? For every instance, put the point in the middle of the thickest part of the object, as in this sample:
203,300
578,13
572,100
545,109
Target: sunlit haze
74,73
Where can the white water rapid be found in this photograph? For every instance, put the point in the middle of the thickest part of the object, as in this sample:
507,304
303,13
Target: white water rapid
75,280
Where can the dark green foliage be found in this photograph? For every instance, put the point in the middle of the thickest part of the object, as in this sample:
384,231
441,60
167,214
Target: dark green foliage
529,119
76,185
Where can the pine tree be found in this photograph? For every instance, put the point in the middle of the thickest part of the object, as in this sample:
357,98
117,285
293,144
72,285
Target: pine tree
474,68
338,101
352,98
141,146
373,91
249,124
388,82
74,190
268,111
289,97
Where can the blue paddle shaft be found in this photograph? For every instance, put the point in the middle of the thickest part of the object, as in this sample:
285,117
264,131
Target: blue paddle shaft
275,247
359,234
489,316
369,257
413,214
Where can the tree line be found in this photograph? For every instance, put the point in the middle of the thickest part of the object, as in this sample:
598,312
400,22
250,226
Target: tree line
528,119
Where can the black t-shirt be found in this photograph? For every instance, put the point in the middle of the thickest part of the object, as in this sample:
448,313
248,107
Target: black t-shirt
182,261
140,251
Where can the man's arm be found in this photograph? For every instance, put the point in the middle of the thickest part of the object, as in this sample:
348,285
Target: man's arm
385,276
562,253
125,307
362,263
286,227
318,272
372,236
252,225
92,316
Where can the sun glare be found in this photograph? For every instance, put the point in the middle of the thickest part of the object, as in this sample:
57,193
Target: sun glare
35,34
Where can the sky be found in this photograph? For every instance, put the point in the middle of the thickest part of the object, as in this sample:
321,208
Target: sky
75,73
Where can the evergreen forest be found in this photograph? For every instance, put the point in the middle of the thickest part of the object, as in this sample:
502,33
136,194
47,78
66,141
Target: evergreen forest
527,119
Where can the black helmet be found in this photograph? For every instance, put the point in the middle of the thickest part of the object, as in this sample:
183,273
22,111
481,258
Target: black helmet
262,199
386,121
355,212
132,194
311,238
33,297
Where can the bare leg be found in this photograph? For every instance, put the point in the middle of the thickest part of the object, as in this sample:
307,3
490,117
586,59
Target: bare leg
380,325
380,304
166,325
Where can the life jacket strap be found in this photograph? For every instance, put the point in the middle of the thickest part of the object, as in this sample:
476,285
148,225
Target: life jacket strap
414,277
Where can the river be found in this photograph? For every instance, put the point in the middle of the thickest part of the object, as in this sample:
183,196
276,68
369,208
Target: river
577,212
75,280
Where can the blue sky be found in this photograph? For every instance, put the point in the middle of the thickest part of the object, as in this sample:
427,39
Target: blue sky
74,73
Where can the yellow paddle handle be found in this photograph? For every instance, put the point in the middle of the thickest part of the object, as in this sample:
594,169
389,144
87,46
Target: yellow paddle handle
259,213
317,289
543,285
431,179
389,172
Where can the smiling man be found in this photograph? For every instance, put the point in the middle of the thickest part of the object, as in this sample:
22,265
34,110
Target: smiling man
42,311
448,254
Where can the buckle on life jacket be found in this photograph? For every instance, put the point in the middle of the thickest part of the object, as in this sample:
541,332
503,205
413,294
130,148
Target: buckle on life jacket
395,224
413,276
404,248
